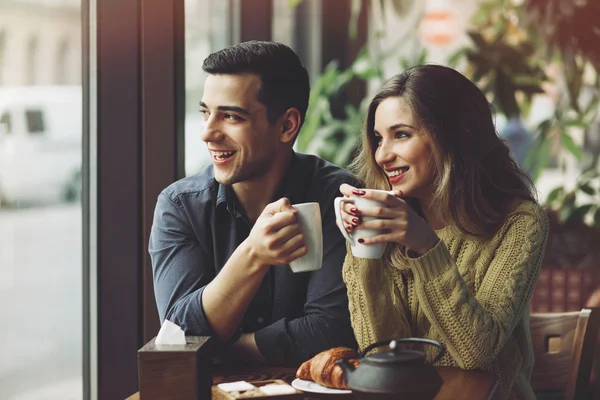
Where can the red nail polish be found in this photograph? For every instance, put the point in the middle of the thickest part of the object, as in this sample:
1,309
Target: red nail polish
353,210
358,192
355,220
361,240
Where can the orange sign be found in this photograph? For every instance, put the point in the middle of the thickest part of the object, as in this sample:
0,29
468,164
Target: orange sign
439,27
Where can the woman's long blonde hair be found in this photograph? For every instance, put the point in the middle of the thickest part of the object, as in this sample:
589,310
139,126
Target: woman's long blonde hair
477,184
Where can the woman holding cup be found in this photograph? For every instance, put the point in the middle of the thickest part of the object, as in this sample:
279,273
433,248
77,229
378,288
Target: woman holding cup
464,238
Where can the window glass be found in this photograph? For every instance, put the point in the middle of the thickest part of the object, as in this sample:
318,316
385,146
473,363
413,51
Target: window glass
32,59
208,27
2,51
40,210
35,121
5,125
62,61
214,24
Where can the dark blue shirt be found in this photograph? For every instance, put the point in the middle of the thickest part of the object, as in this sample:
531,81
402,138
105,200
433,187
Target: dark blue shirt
198,223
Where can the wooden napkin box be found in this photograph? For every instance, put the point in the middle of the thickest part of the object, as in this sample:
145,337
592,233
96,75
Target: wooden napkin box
218,394
176,371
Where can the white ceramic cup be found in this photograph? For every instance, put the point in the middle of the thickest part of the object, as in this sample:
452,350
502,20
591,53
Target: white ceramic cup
360,250
309,219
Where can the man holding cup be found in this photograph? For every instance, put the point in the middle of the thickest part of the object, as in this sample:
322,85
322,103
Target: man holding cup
222,239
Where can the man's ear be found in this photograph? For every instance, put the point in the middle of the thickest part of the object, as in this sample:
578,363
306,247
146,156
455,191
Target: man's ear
290,125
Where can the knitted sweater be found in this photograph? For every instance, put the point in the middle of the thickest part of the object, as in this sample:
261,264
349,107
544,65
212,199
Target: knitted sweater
469,293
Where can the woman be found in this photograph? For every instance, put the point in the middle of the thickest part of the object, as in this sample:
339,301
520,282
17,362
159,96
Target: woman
465,235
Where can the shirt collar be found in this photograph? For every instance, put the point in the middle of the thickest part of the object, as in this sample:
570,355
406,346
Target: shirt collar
294,186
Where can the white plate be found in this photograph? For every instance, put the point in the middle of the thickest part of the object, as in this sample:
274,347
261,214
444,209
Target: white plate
312,387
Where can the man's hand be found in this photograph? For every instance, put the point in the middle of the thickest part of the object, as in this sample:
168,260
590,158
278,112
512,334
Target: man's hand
276,238
242,351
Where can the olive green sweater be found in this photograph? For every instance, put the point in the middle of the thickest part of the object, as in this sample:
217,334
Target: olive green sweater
469,293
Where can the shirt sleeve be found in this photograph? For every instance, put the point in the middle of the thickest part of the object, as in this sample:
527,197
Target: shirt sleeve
325,322
180,266
475,328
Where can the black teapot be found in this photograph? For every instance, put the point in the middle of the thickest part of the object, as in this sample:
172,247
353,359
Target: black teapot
394,374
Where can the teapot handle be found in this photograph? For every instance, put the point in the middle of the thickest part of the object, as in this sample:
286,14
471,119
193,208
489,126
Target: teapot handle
393,343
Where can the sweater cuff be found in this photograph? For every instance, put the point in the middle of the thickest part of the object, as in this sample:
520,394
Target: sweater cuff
432,264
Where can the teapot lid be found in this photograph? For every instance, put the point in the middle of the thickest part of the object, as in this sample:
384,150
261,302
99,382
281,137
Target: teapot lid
396,355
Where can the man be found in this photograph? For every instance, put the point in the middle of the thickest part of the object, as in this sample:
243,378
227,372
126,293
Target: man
222,239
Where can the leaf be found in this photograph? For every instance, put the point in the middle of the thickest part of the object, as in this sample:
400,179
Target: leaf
586,188
365,68
355,9
578,214
543,128
318,109
537,157
529,88
555,194
422,59
564,213
401,7
456,57
478,40
574,123
597,218
570,145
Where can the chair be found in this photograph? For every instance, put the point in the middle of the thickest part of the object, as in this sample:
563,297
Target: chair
564,346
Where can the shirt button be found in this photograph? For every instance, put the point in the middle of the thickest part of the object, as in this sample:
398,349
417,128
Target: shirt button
260,320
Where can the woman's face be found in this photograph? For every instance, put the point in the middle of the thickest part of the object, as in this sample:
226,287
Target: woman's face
404,151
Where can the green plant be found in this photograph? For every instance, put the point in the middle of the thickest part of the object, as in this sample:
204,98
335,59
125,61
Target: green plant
333,125
508,59
330,135
582,202
568,35
566,32
502,58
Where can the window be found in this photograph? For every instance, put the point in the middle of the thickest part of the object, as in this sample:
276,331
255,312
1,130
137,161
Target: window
41,340
208,25
32,60
62,62
35,121
6,123
2,55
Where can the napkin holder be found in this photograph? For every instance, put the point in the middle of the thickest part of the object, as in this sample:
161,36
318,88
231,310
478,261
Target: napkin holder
176,371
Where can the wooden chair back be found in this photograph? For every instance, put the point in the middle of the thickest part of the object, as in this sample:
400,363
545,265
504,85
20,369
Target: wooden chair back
564,345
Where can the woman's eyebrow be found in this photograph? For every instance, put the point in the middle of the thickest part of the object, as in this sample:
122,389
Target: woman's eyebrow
398,126
394,127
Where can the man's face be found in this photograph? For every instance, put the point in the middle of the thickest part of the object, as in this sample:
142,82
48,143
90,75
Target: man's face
237,133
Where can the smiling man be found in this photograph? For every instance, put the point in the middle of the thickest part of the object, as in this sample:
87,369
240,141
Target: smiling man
221,240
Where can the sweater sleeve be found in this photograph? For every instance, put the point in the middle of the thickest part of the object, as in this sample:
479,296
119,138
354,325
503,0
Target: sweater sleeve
377,308
476,327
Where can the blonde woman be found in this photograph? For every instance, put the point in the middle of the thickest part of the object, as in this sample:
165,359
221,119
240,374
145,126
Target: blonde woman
465,237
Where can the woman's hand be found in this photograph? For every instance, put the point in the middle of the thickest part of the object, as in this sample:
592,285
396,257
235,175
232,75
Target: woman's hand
400,222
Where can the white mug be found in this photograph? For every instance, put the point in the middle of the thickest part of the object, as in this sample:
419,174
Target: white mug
360,250
309,219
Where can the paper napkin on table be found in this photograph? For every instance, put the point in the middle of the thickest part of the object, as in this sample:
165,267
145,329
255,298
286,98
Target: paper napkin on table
170,333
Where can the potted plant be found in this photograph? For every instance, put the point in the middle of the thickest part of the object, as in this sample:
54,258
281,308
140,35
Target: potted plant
507,59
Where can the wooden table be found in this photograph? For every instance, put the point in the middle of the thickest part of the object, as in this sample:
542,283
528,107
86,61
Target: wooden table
458,384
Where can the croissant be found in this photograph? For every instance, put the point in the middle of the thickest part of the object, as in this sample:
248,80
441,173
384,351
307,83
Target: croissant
323,370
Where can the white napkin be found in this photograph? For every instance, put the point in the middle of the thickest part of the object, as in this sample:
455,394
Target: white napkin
238,386
170,333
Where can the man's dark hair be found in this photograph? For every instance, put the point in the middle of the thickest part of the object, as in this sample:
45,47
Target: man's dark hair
284,80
